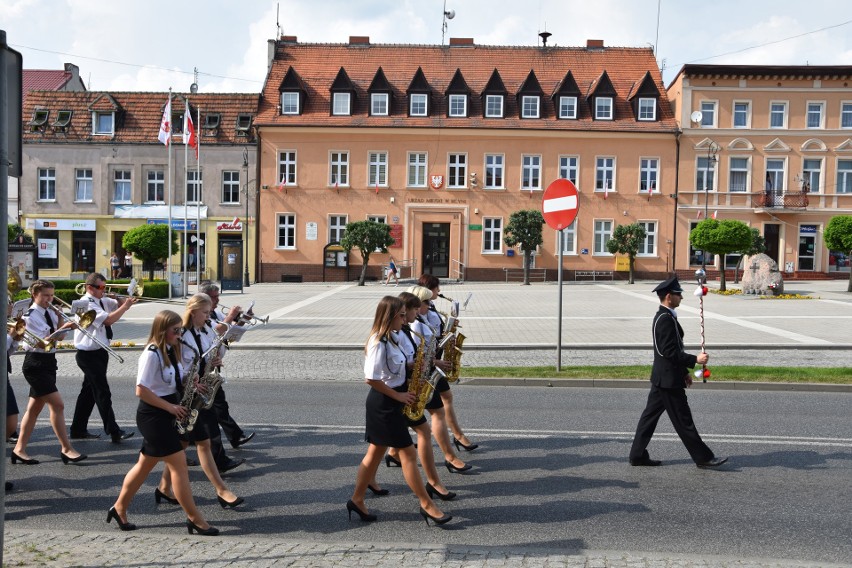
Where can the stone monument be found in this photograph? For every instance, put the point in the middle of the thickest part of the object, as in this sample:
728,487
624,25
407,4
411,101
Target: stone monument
761,276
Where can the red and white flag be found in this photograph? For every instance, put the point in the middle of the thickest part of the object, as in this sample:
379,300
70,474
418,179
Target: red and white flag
716,212
165,134
377,185
281,184
606,188
699,214
189,136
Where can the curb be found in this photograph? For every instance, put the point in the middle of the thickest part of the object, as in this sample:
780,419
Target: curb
643,384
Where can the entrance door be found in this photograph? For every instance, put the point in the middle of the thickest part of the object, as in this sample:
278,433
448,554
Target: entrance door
807,247
83,250
231,264
771,233
436,249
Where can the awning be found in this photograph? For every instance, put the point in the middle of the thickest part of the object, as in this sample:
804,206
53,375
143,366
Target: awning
160,212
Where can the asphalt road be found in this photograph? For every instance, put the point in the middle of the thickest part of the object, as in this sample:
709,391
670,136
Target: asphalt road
551,473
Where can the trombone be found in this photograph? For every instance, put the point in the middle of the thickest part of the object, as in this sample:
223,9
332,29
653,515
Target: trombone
17,329
133,290
86,318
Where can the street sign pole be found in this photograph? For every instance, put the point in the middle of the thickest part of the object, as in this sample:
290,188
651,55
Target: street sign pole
559,325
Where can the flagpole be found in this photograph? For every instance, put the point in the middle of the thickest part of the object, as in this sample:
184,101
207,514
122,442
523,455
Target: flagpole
198,204
169,205
185,199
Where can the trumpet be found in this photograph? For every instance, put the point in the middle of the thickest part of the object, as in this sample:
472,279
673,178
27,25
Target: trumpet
17,329
86,319
245,318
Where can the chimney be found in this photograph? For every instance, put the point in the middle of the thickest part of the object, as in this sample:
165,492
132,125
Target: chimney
594,44
359,40
461,41
289,39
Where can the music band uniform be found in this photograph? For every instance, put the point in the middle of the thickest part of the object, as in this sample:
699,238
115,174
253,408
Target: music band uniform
194,343
39,367
11,401
386,425
159,436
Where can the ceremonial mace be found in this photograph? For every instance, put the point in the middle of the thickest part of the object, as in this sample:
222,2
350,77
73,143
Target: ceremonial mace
701,291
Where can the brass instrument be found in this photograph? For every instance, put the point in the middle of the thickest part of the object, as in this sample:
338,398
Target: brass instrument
193,398
423,378
17,328
133,289
453,354
245,318
86,318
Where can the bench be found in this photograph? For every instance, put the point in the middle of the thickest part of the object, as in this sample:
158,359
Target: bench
594,275
517,274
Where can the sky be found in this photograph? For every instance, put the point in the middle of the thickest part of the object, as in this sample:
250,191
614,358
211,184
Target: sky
154,45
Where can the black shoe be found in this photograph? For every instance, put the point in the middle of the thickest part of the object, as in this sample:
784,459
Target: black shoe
714,462
455,469
160,496
209,531
231,464
16,458
117,437
366,517
13,439
9,486
391,461
645,461
240,441
113,514
84,436
432,492
66,460
379,492
230,504
437,520
459,445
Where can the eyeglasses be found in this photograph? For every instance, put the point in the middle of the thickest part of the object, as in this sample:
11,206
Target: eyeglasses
175,330
99,287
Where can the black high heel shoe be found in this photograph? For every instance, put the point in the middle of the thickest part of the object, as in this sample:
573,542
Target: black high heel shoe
379,492
366,517
209,531
431,491
389,459
160,496
459,445
16,458
437,520
455,469
113,514
231,504
66,460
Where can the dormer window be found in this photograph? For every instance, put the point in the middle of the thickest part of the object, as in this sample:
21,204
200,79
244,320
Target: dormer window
63,119
379,104
494,106
103,123
458,106
341,104
243,124
647,109
418,104
289,103
211,123
418,95
568,107
40,116
457,94
292,93
530,106
603,108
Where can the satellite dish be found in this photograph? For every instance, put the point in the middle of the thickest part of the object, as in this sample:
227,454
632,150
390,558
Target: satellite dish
450,14
696,116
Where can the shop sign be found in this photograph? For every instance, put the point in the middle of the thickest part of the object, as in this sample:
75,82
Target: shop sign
235,226
177,224
62,224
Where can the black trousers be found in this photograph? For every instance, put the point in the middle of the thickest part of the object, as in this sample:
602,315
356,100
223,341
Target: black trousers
229,426
95,391
674,403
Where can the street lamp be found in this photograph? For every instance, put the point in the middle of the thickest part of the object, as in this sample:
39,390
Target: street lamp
245,221
712,150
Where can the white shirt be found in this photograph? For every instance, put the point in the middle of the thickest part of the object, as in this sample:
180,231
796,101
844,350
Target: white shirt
433,318
190,347
385,362
37,325
409,350
81,341
11,345
426,330
153,374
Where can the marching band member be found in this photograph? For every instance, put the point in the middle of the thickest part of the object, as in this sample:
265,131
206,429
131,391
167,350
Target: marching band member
39,370
434,318
197,338
93,360
160,373
384,370
11,401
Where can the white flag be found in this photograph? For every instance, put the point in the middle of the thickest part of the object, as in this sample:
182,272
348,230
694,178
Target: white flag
165,134
189,136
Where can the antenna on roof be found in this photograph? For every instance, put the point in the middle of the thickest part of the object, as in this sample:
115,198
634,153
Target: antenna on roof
448,15
544,35
194,87
278,30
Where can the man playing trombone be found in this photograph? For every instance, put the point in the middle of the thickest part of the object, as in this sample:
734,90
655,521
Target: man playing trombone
93,359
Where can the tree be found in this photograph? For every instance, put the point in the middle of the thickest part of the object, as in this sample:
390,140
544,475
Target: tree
757,246
524,229
368,237
15,230
626,239
838,237
150,243
721,237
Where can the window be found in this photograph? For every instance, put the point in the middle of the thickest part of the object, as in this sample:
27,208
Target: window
286,231
47,184
775,175
378,169
231,187
340,104
155,191
604,174
121,187
648,247
378,219
567,107
243,125
289,103
569,168
416,169
777,115
647,109
336,228
530,172
738,175
339,169
457,165
492,235
458,105
418,105
379,104
211,121
494,106
569,239
603,108
815,115
287,167
741,114
603,233
530,106
846,115
811,170
103,123
193,186
696,257
705,174
494,171
708,114
83,185
648,173
47,242
844,176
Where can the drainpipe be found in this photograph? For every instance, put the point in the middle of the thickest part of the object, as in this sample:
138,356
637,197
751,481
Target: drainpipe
676,193
258,275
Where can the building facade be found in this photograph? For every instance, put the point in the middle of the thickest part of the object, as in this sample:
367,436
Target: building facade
94,169
443,143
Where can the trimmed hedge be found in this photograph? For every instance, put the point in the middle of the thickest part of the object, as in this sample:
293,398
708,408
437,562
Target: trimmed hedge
66,289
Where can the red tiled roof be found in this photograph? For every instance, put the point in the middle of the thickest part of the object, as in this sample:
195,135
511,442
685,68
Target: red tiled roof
44,79
138,115
318,64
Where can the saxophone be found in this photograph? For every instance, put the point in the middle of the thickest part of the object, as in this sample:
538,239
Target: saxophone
188,400
422,383
212,379
193,398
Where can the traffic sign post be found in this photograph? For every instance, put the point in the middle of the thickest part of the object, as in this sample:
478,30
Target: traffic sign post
559,206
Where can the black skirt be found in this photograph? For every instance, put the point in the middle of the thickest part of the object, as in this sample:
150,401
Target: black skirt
422,419
160,436
436,401
205,423
11,403
386,425
40,372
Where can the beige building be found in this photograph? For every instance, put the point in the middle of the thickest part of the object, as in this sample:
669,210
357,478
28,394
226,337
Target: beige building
772,145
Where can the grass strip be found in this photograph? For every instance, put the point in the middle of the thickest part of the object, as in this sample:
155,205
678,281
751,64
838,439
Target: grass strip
832,375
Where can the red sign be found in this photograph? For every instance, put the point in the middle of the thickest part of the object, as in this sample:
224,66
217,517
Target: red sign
560,204
436,181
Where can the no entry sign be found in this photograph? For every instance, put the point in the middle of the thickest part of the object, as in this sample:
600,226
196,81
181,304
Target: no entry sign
560,204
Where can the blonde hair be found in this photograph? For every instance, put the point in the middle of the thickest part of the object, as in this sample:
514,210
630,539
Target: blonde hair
388,308
196,302
421,292
163,321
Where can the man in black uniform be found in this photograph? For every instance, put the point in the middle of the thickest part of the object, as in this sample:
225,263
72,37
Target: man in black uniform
669,379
